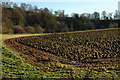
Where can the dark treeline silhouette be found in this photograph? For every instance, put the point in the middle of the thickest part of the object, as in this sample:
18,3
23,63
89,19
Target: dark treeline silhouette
29,19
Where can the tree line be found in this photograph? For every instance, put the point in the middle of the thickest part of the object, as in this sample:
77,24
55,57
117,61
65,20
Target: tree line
30,19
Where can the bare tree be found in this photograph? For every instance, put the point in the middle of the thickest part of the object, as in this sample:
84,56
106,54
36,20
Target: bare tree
96,15
110,16
104,15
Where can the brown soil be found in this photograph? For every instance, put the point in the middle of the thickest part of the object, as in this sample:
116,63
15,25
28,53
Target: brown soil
35,56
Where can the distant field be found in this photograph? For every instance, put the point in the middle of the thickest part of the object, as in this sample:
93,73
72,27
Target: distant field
81,54
8,36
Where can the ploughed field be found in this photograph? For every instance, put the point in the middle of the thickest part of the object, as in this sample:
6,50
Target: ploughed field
82,49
